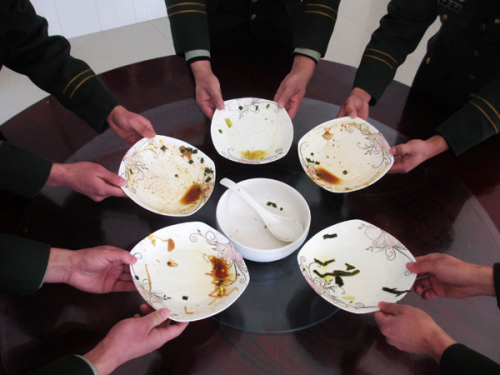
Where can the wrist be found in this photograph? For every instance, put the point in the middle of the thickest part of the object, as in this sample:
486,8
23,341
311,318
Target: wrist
438,342
103,362
59,266
362,94
58,175
437,144
200,68
483,281
303,65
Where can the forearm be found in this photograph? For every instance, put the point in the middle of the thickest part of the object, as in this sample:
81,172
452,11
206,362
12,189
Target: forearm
476,121
46,60
400,31
315,25
23,263
458,359
24,172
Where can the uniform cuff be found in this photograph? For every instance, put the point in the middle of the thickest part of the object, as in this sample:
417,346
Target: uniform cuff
196,55
91,365
308,53
496,281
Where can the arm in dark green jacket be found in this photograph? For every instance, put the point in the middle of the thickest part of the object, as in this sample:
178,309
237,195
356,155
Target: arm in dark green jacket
70,364
47,62
458,359
189,24
400,32
22,172
478,120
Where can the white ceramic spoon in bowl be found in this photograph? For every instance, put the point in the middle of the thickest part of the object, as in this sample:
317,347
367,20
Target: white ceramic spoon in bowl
283,228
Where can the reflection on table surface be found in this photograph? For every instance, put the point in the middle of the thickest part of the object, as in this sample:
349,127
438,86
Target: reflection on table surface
279,325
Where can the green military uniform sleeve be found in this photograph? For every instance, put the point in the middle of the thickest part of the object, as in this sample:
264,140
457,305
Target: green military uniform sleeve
458,359
400,31
47,62
70,364
478,120
189,25
316,24
21,171
23,264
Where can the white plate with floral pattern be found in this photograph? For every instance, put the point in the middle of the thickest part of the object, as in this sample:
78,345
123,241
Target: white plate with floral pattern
252,131
345,154
189,268
167,176
354,265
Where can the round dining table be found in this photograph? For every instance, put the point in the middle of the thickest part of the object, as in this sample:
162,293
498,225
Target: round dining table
279,325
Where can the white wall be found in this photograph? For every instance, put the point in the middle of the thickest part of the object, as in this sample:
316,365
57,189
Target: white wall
73,18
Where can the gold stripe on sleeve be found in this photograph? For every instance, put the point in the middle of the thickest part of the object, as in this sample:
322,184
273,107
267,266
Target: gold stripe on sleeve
323,6
489,105
74,78
183,4
485,115
378,58
320,13
81,83
187,11
383,53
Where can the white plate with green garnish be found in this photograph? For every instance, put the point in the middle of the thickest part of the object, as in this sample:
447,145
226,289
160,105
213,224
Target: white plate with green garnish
189,268
354,265
167,176
345,154
252,131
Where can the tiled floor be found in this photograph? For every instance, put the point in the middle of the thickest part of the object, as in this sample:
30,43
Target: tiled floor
110,49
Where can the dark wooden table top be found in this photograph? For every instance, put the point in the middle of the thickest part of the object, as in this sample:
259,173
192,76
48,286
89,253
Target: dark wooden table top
448,204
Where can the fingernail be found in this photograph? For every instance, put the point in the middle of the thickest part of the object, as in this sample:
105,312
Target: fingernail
123,182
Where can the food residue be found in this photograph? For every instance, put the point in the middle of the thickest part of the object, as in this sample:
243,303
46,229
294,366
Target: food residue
149,279
327,236
337,274
188,152
327,135
395,291
187,312
221,278
171,263
228,122
326,176
192,195
254,155
171,244
325,263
